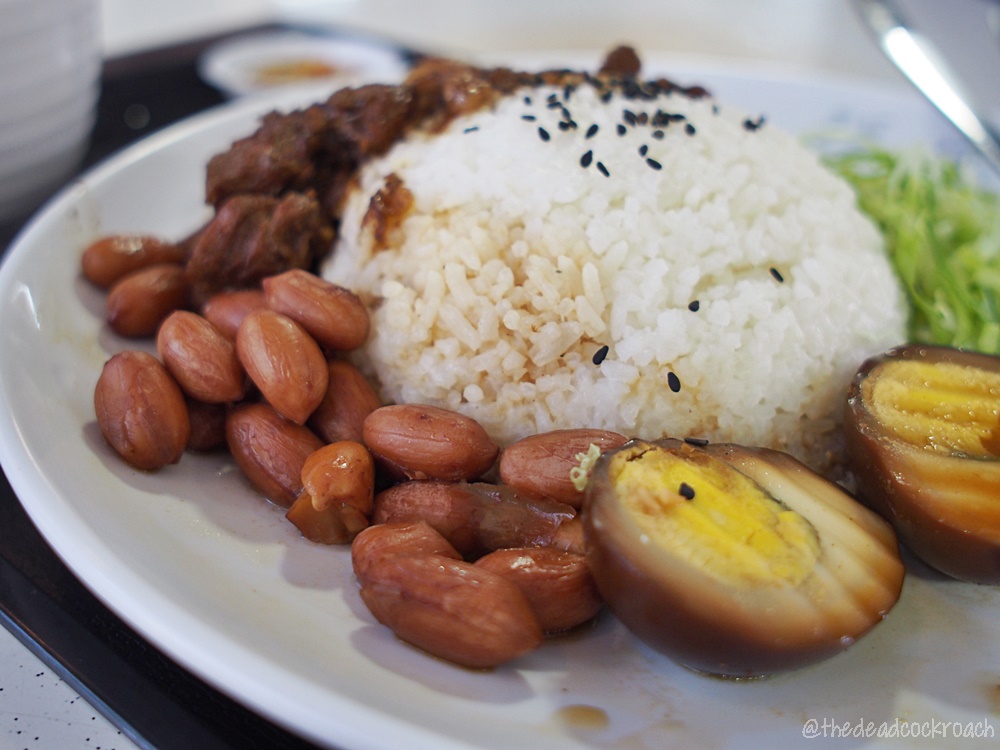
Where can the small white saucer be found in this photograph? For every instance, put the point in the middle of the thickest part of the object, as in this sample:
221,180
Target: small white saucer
258,62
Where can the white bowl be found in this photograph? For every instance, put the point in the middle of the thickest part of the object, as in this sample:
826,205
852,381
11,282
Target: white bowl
50,67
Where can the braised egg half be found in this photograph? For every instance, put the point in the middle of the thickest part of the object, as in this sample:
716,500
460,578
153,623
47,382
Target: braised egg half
735,561
922,432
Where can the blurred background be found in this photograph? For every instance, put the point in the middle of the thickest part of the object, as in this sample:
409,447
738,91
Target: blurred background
182,45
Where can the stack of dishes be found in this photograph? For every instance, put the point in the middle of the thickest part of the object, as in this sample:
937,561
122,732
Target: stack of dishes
50,65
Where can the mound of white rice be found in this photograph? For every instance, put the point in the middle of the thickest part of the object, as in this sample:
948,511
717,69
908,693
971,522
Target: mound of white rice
724,275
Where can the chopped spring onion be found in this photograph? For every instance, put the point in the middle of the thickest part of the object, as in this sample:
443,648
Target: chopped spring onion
942,232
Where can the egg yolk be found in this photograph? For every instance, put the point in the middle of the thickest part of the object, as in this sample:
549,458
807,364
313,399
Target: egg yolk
702,510
944,407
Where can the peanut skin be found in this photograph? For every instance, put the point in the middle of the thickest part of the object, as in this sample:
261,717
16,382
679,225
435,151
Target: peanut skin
569,536
348,401
475,518
270,450
141,411
208,426
332,315
201,359
226,310
108,259
386,540
557,584
539,466
138,302
426,442
452,609
284,362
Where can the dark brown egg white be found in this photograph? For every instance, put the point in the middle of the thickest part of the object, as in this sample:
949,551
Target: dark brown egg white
923,439
735,561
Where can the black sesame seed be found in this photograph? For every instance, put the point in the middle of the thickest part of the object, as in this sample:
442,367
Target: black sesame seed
631,88
591,131
752,125
586,159
673,382
654,164
622,130
472,129
606,96
689,129
527,100
529,118
696,442
600,354
603,169
629,117
686,491
643,149
777,275
642,119
694,305
543,134
658,135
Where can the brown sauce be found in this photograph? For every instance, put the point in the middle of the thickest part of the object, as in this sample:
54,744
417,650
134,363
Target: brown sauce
583,717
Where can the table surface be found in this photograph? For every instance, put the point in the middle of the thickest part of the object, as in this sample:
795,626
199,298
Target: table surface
71,673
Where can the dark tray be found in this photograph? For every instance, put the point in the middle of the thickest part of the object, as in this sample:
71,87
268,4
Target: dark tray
149,697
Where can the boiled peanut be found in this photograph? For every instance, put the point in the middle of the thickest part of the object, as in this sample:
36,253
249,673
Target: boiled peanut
341,473
452,609
475,518
201,359
284,362
557,584
539,466
226,310
348,401
108,259
141,411
569,536
270,450
332,315
339,488
208,426
427,442
332,525
139,301
385,540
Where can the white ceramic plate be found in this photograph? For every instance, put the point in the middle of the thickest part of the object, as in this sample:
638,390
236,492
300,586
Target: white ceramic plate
206,570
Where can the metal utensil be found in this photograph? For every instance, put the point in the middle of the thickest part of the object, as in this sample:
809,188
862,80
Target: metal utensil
922,64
